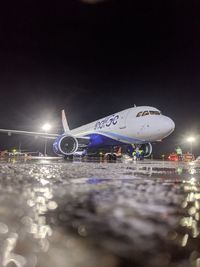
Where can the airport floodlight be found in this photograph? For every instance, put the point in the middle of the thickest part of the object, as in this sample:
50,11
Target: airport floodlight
191,139
46,127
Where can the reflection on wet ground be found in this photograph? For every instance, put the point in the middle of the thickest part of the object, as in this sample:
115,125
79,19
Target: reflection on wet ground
99,214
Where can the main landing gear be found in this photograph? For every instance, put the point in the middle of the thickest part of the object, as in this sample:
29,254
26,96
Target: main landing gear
110,157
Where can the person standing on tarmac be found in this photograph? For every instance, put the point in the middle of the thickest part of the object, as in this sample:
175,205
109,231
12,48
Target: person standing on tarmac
141,154
179,153
136,154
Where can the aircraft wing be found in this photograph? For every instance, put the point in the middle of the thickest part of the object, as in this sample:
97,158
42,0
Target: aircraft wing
36,134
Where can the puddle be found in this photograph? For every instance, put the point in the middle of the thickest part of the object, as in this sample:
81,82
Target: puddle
99,214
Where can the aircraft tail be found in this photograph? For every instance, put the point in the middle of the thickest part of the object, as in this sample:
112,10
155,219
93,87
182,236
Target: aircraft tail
64,122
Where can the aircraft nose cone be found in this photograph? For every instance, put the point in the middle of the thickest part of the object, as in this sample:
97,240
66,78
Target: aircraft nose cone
168,125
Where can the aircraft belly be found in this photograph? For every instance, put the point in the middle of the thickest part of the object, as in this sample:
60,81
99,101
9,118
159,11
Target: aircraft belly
110,139
97,140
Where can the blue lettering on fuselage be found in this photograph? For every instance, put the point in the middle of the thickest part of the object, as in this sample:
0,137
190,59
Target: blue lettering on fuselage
112,120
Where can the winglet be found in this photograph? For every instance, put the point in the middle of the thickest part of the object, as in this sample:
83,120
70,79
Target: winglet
64,122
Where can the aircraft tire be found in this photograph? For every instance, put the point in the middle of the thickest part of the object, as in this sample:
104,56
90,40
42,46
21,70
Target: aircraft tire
113,157
68,158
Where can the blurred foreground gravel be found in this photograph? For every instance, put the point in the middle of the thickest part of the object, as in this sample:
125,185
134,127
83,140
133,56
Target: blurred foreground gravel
99,214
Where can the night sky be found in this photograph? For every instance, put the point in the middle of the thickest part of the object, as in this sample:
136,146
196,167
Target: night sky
94,59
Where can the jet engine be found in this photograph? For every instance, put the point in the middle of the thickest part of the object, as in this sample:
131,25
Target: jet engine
147,148
65,145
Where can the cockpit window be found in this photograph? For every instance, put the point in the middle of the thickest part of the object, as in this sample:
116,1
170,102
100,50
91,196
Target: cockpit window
154,112
139,114
145,113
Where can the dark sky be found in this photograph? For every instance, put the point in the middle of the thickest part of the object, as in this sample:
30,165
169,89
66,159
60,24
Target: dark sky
97,59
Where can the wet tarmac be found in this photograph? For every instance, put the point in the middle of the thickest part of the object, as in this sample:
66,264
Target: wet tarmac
55,213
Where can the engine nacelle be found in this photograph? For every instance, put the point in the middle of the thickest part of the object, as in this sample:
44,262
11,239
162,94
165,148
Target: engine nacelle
65,145
147,148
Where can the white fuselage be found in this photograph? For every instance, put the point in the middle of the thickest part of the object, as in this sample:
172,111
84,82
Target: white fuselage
134,125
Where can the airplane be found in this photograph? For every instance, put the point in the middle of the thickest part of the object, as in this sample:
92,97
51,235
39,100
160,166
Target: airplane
136,126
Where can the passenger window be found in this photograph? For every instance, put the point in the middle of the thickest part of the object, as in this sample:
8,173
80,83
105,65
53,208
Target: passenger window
145,113
139,114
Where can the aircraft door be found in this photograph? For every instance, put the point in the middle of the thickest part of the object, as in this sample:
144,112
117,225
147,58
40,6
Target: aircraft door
123,117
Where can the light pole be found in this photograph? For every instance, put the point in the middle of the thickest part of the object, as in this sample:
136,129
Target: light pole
46,127
190,140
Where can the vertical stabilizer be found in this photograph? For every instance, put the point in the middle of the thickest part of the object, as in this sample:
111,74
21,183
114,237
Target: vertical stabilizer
64,122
